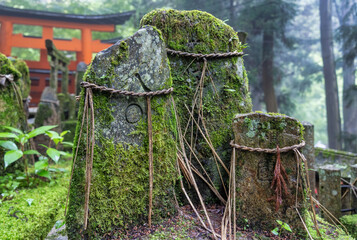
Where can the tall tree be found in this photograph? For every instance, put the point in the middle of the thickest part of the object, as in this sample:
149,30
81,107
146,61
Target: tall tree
347,20
268,19
331,90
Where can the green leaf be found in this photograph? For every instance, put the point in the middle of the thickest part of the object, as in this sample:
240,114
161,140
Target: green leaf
11,156
29,201
52,134
23,138
54,154
7,135
40,130
42,164
280,222
44,173
64,133
8,145
275,231
29,152
43,145
287,227
12,129
67,143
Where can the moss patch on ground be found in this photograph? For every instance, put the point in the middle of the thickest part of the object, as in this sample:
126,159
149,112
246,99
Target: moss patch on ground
350,222
48,201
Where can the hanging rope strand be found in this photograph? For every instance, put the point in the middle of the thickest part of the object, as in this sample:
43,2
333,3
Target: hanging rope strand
151,167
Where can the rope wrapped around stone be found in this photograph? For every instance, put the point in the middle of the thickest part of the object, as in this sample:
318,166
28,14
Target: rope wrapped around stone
199,55
4,77
267,150
126,93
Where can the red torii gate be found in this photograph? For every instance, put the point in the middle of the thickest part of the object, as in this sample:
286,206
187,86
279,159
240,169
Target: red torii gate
84,47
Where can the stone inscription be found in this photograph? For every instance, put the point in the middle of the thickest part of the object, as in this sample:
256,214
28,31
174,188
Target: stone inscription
133,113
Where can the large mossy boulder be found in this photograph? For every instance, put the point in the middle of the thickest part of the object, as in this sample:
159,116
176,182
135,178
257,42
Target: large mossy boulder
257,199
225,89
120,176
11,111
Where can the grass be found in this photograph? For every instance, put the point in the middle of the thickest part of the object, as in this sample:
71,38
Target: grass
32,212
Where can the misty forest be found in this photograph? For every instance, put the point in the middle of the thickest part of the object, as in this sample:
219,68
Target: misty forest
134,140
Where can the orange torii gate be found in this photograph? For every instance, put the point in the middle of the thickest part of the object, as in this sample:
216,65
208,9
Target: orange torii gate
84,47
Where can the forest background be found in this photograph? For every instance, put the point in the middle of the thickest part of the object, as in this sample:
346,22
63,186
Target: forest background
284,58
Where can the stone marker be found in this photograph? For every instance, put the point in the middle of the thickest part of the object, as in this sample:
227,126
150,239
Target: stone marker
330,190
81,69
309,153
120,176
256,199
225,92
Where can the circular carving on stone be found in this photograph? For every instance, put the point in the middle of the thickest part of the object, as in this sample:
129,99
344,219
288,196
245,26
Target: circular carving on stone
133,113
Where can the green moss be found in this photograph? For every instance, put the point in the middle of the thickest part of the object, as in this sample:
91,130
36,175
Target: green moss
350,222
327,230
25,83
180,27
48,200
122,53
277,124
6,67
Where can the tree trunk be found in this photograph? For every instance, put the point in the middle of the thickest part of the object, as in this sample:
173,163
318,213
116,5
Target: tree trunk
267,72
348,100
331,90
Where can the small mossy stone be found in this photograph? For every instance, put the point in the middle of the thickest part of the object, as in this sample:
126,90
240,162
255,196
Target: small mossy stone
225,92
257,201
120,176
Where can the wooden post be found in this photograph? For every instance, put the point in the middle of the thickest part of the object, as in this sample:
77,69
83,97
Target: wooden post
5,37
354,182
86,45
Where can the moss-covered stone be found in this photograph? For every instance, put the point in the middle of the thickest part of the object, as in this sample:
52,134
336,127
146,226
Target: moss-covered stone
256,198
120,177
225,90
11,111
67,106
22,67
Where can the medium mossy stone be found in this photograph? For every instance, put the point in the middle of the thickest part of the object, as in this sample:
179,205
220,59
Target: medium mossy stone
120,176
256,199
225,92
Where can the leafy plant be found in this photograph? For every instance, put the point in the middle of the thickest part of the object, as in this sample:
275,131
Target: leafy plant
15,152
277,231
